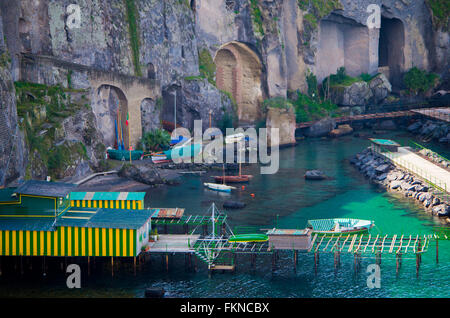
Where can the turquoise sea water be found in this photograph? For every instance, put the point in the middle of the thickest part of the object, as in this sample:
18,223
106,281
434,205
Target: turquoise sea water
294,200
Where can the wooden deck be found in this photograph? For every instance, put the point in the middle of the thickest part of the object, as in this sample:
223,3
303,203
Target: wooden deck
346,119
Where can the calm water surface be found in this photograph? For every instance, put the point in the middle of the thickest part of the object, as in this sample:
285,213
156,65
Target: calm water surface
294,200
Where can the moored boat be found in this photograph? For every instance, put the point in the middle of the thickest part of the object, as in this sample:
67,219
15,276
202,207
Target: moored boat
218,187
233,179
124,154
244,238
336,226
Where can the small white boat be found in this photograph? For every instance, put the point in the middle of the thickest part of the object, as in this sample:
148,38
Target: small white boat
218,187
234,138
336,226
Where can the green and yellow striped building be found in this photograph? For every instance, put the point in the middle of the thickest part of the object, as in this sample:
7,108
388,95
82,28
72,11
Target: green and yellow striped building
38,219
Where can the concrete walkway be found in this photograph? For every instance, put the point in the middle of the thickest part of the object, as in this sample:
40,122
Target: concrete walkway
421,167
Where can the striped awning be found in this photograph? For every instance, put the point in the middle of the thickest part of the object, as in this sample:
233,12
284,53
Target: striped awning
116,196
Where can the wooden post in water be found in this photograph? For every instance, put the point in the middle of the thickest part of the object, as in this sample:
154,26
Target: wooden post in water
437,251
167,262
295,260
417,265
397,260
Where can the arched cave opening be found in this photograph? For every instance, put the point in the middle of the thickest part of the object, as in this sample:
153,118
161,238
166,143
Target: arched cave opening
111,112
390,49
238,72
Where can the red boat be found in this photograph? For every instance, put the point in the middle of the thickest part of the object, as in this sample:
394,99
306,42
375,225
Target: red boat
233,179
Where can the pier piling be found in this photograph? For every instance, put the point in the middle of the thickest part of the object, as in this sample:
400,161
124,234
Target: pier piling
437,251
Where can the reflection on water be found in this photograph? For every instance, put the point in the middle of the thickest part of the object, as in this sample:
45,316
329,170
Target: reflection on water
295,200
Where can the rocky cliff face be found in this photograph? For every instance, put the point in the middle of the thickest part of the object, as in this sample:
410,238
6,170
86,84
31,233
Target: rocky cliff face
11,139
252,49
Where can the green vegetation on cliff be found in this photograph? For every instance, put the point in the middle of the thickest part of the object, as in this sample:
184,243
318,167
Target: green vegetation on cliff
441,13
341,79
41,110
206,65
318,9
134,35
256,18
419,81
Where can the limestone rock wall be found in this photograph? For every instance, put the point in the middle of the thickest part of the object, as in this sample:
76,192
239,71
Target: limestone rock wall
12,149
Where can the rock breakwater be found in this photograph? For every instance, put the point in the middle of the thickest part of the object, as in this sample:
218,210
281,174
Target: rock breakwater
382,172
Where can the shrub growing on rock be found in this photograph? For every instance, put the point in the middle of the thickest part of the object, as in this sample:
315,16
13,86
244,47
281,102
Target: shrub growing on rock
155,140
419,81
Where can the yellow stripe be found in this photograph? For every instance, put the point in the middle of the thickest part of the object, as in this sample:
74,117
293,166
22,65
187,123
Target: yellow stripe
28,243
128,205
20,242
122,204
6,242
103,242
111,252
55,245
95,203
134,205
49,244
124,236
63,250
13,252
69,241
35,243
90,241
1,243
106,204
131,243
76,230
89,203
117,204
83,241
140,205
117,242
83,203
100,204
97,242
72,203
78,203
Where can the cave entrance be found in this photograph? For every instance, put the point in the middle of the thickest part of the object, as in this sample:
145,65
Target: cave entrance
390,50
171,110
111,111
238,72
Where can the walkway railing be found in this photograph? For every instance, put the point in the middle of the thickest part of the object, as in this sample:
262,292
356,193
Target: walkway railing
433,181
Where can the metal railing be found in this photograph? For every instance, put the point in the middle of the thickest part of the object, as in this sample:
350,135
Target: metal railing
431,180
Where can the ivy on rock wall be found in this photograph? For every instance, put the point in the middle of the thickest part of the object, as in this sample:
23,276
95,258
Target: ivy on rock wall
134,35
41,110
441,13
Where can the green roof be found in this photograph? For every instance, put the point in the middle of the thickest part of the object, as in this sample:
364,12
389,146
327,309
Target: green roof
26,224
115,196
105,218
44,188
384,142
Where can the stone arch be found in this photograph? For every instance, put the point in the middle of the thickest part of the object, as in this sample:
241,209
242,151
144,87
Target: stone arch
238,71
391,49
151,71
112,108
